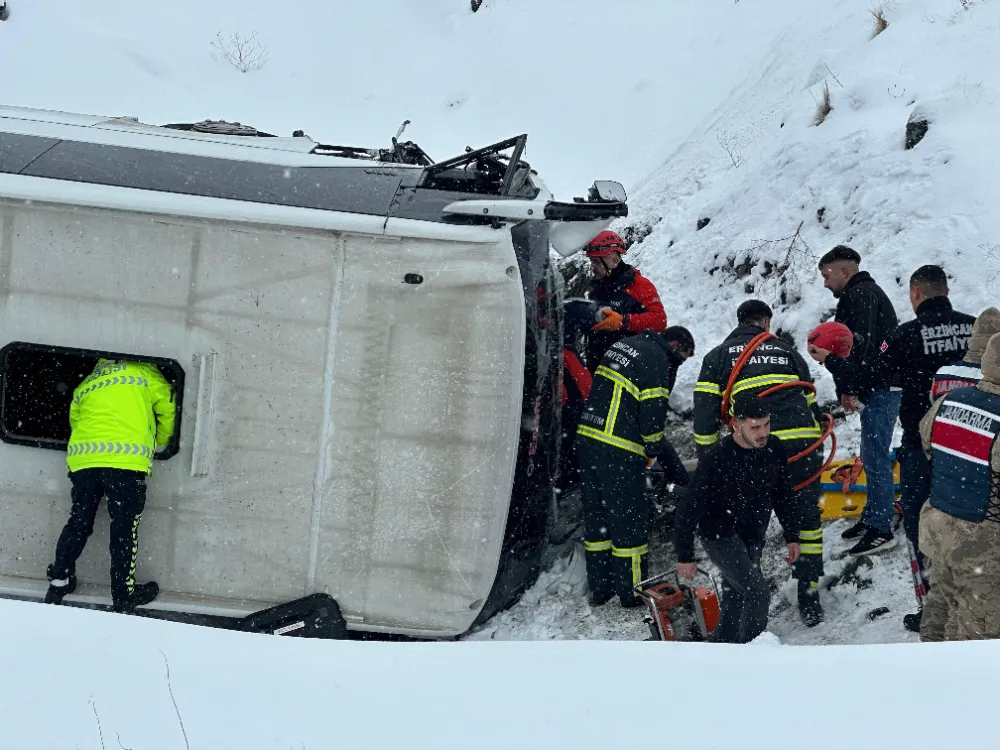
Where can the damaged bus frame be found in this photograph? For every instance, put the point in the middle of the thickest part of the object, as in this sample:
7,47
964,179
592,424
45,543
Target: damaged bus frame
365,347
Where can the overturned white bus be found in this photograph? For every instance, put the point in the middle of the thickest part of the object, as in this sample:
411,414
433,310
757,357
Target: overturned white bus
364,345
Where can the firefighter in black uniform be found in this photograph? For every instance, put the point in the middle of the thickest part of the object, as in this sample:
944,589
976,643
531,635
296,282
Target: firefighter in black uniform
795,420
621,428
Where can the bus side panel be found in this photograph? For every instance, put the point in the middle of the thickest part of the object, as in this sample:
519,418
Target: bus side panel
425,421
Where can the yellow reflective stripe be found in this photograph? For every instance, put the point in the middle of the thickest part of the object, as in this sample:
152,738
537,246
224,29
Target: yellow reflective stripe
117,449
811,534
654,393
629,551
655,437
618,378
706,386
614,440
597,546
810,398
706,439
761,381
797,433
616,402
811,549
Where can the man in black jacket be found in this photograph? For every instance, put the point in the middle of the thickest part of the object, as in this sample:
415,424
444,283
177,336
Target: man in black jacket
621,427
795,421
738,483
865,309
914,352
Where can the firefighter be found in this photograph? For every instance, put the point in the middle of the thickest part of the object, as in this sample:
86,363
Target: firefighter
739,481
628,299
795,420
120,414
960,525
620,429
916,350
966,372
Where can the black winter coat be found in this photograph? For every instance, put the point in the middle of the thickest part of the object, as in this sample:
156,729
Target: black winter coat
866,310
937,337
734,491
627,406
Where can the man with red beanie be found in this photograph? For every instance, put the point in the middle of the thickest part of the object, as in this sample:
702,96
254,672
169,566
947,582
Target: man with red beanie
628,299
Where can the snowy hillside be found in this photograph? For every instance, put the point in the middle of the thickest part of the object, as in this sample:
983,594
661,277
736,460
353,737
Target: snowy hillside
604,90
781,190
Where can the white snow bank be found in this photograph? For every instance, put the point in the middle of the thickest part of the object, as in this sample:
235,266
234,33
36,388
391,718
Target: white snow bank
246,691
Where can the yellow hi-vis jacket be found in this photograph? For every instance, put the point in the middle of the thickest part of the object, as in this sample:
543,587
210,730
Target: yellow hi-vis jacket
120,414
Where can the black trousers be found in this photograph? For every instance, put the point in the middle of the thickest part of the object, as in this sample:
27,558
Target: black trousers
745,594
126,493
809,568
615,519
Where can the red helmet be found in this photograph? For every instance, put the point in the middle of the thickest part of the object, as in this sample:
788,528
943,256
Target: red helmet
605,243
834,337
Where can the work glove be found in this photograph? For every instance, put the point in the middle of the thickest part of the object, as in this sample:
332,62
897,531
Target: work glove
613,321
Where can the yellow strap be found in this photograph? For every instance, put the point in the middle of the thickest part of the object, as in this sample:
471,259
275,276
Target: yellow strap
617,377
811,549
706,386
597,546
760,381
706,439
811,534
613,440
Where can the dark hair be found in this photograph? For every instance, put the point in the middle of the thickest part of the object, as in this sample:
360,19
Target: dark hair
681,335
749,406
840,252
932,280
753,311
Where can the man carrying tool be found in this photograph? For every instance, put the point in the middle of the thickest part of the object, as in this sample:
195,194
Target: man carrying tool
916,350
628,299
777,373
739,481
866,310
620,429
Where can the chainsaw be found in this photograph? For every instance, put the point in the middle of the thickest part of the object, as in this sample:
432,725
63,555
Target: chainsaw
678,612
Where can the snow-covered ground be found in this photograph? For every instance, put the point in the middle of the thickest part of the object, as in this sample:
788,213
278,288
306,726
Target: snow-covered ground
80,679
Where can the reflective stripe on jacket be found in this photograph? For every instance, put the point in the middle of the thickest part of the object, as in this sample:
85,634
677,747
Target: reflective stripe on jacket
120,414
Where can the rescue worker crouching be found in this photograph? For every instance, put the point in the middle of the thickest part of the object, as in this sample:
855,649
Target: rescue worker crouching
120,415
620,429
628,299
795,421
960,525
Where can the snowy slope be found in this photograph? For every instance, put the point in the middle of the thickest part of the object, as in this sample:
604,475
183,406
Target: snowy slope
107,687
604,90
848,180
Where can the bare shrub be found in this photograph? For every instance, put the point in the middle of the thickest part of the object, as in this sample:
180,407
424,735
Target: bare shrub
729,144
245,53
824,107
879,23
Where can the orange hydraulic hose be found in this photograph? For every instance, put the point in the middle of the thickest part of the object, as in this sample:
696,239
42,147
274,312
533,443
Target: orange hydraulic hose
828,419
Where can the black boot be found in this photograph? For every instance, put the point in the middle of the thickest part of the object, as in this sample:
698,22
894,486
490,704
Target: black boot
810,608
142,594
912,622
55,594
